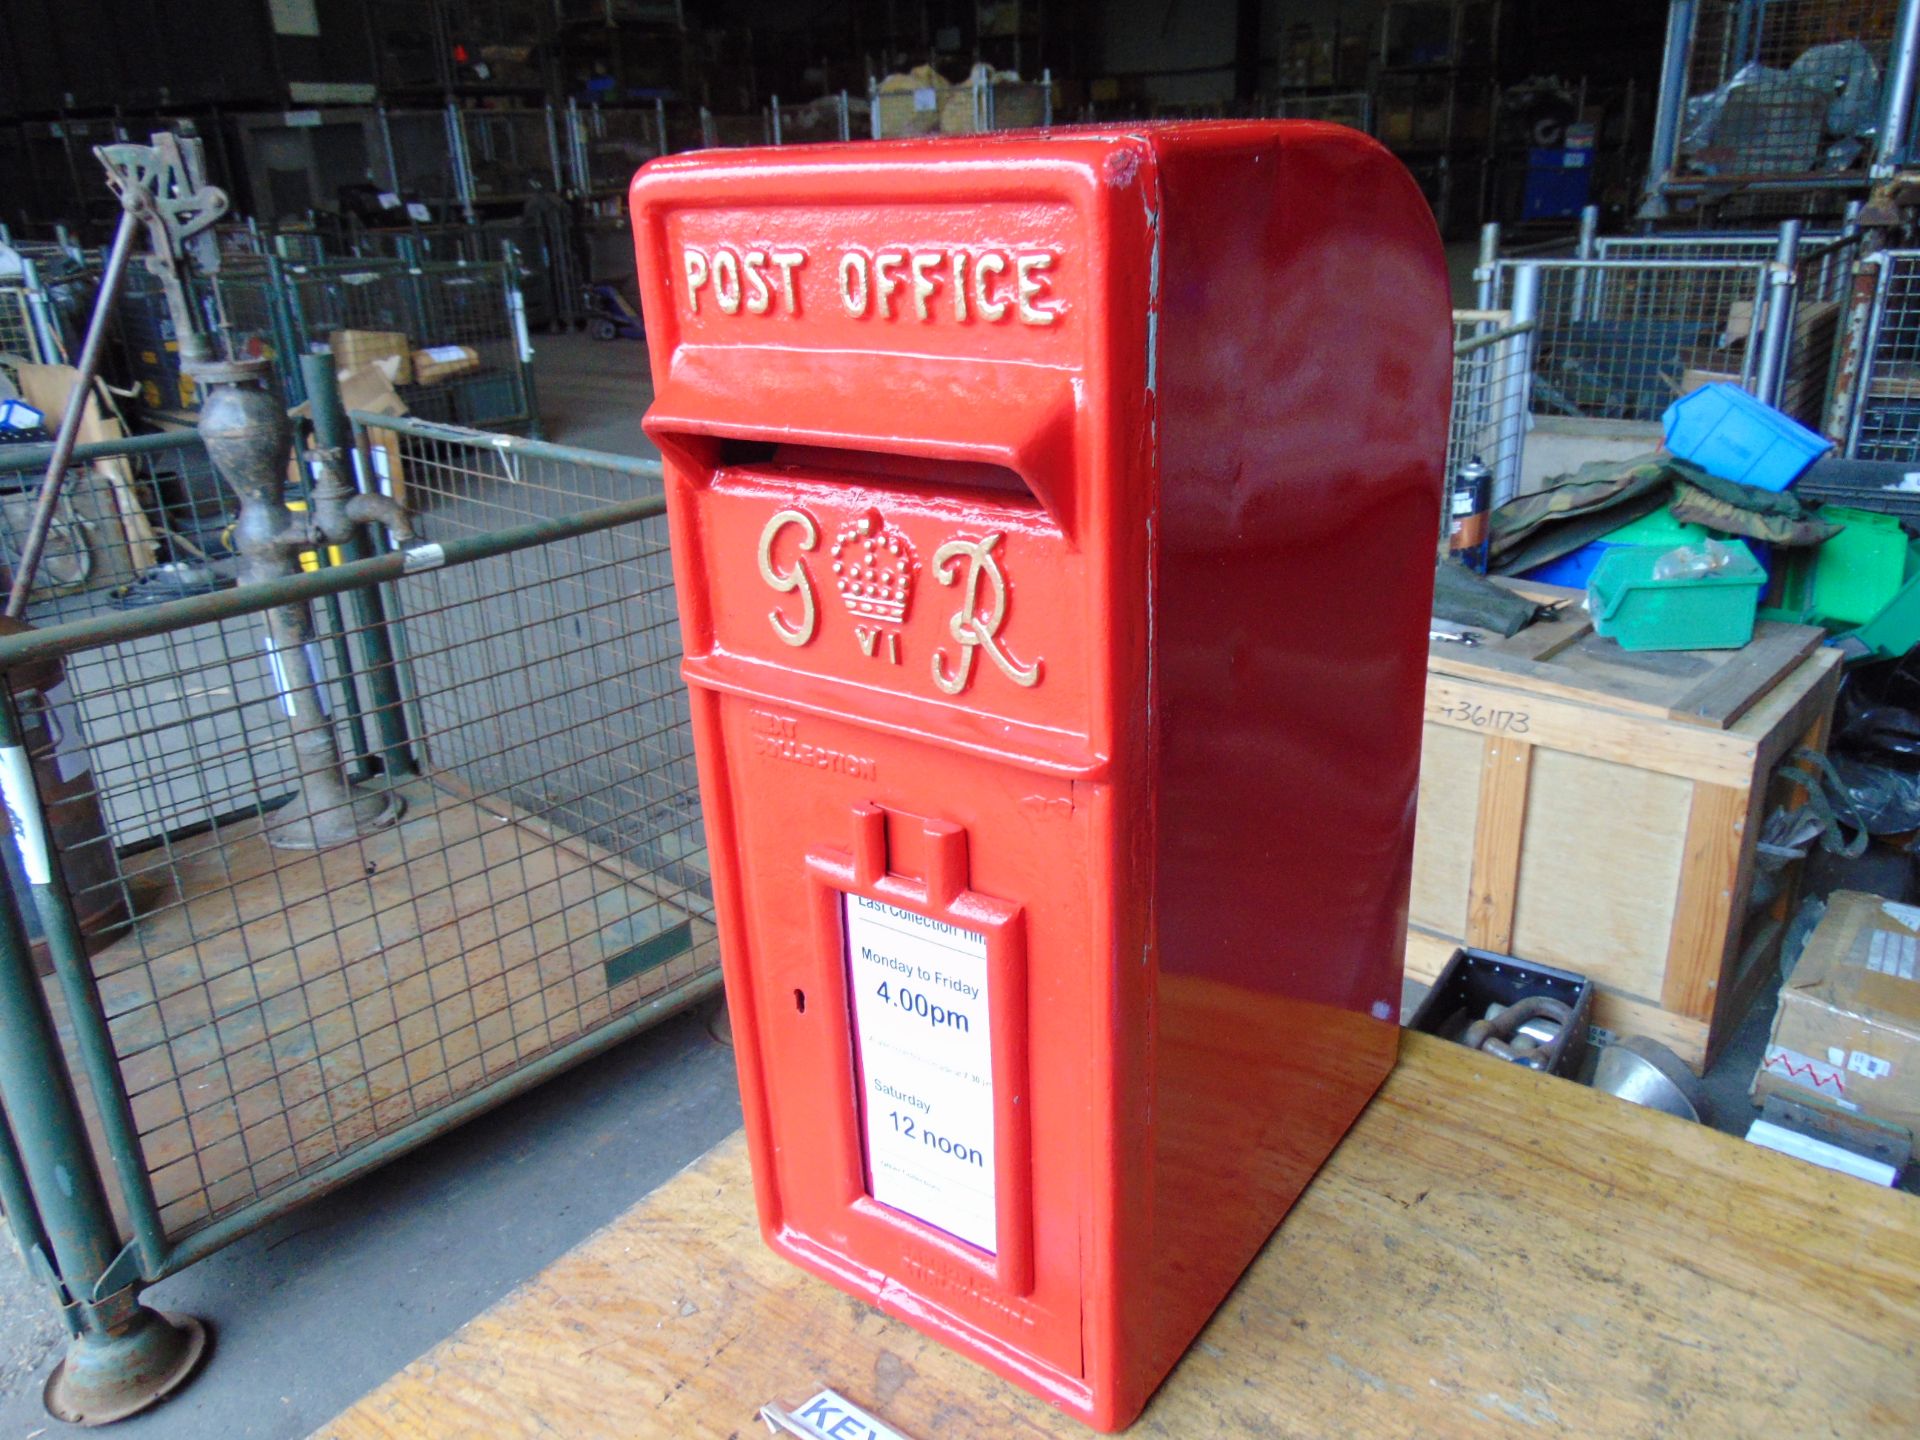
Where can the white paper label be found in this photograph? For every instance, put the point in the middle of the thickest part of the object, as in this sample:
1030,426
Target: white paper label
446,354
1871,1066
925,1049
23,812
1891,954
925,100
1907,915
828,1416
417,211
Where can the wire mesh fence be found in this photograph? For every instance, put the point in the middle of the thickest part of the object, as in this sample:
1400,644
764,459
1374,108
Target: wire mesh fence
536,876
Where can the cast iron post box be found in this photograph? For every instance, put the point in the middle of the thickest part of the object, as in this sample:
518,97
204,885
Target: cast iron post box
1053,527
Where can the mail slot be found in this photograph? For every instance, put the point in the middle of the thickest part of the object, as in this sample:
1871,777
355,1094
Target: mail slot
1053,527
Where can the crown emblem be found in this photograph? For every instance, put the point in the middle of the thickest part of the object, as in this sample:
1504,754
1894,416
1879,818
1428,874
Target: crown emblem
873,569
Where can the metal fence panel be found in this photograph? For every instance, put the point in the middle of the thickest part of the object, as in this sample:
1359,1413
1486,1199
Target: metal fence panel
278,1017
1618,339
1491,363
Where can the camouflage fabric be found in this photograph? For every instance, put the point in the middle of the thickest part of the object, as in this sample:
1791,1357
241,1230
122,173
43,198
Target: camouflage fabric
1615,490
1696,505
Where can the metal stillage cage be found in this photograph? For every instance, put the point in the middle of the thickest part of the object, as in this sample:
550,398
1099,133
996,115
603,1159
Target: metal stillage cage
1884,423
1642,320
468,318
246,1026
1781,96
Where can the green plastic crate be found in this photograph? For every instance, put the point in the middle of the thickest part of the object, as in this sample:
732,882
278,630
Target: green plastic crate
1852,577
1710,612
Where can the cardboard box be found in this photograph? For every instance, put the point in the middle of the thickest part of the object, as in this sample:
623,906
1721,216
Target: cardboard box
370,391
361,349
1848,1026
443,362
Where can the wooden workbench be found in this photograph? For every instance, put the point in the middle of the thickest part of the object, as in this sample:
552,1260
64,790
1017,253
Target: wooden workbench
1489,1252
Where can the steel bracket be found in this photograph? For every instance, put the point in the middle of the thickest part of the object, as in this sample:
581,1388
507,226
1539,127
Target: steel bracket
125,1270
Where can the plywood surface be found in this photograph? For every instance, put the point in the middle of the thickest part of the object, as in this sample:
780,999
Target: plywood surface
1562,657
1490,1252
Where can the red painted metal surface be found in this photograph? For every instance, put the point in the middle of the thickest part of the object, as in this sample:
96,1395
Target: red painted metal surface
1053,524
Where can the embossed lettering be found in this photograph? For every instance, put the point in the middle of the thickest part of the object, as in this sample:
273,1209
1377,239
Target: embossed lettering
726,281
696,267
972,627
885,282
1030,274
786,262
989,308
789,581
853,283
758,295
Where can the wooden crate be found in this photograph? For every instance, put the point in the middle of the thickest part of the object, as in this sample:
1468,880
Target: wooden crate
1598,811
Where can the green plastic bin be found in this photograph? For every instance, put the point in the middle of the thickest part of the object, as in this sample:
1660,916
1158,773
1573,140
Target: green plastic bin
1710,612
1857,572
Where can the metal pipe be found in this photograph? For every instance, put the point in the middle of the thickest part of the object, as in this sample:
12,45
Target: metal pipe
42,523
1584,250
553,150
386,146
41,1106
1485,273
1896,114
1665,153
776,119
1517,382
1869,350
68,949
1776,338
660,124
333,435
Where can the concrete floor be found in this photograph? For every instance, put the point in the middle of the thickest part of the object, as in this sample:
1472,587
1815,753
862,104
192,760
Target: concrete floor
314,1310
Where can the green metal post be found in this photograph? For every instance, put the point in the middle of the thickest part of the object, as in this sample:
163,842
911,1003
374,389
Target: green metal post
23,1216
123,1356
332,432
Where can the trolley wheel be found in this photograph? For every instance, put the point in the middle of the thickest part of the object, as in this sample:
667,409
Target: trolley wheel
604,330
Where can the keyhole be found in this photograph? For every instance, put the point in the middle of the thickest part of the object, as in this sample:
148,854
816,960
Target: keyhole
800,1001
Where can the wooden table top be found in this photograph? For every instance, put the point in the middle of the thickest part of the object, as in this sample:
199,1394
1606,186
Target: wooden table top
1489,1252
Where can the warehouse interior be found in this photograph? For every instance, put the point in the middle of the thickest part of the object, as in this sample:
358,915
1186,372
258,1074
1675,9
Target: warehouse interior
457,835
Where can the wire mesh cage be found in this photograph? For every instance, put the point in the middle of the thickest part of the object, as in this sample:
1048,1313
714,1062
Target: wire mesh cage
1619,340
1785,89
422,154
611,142
512,154
1886,420
275,1014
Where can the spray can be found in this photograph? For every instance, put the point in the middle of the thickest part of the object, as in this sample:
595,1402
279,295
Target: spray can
1469,527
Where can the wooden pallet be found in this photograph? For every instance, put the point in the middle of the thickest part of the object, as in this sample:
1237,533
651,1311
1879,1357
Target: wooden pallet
1598,811
1490,1252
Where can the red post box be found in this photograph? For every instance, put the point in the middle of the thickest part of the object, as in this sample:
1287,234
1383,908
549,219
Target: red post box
1053,523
